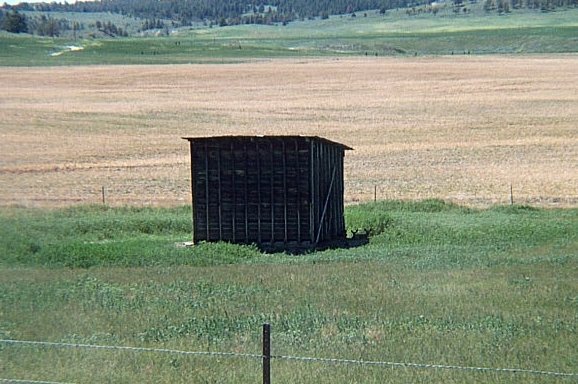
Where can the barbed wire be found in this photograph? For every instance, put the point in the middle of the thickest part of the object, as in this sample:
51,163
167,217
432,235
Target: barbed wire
420,365
282,357
30,381
133,349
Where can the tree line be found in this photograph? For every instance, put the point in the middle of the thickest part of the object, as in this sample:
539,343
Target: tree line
46,25
16,22
214,10
230,12
186,12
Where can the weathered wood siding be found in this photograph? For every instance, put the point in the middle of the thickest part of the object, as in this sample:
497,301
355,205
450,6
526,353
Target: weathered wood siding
279,191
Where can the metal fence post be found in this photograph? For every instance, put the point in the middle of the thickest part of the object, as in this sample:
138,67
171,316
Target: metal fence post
266,354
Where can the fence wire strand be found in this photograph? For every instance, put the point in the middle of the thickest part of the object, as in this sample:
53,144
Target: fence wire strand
133,349
19,381
279,357
425,366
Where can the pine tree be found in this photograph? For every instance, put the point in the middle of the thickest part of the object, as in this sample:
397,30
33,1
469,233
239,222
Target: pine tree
15,22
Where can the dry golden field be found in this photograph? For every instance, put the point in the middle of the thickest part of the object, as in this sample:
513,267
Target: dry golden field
458,128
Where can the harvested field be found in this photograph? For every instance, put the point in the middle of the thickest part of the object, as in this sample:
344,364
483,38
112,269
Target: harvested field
458,128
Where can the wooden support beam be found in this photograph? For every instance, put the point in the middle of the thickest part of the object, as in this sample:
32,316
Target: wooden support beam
233,192
193,197
246,192
299,197
284,192
258,192
272,181
312,191
219,192
207,215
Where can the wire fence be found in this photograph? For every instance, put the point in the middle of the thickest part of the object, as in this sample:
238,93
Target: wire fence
31,381
266,357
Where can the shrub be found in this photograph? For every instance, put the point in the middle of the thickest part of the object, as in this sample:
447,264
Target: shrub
369,223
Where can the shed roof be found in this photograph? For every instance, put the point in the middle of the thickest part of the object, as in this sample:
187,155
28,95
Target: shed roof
271,137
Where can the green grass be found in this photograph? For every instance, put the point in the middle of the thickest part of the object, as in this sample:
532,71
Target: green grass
427,234
83,237
439,283
395,33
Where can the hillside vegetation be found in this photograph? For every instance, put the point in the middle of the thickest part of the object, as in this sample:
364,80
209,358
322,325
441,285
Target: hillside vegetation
441,284
233,12
372,33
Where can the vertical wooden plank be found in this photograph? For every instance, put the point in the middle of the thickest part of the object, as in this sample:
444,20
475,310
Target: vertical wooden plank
207,215
322,224
326,168
311,191
332,216
338,193
321,190
272,181
327,162
284,191
339,220
333,208
330,209
334,199
219,192
234,191
329,213
318,184
258,191
246,157
342,192
314,190
298,183
193,198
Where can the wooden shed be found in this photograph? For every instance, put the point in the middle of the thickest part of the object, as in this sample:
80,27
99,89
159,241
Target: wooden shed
278,192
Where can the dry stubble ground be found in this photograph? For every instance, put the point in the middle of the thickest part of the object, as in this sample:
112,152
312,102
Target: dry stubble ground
461,129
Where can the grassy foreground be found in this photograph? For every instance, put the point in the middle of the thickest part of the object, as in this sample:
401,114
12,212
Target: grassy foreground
438,283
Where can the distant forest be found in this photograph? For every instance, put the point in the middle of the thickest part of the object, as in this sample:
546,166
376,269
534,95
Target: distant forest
163,14
231,12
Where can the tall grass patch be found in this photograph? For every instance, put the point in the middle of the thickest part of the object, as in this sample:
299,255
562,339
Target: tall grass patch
436,234
88,236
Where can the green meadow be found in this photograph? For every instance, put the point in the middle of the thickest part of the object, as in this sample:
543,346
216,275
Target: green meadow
436,284
369,33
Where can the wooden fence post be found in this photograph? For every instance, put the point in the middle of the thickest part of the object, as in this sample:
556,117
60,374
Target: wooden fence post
266,354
